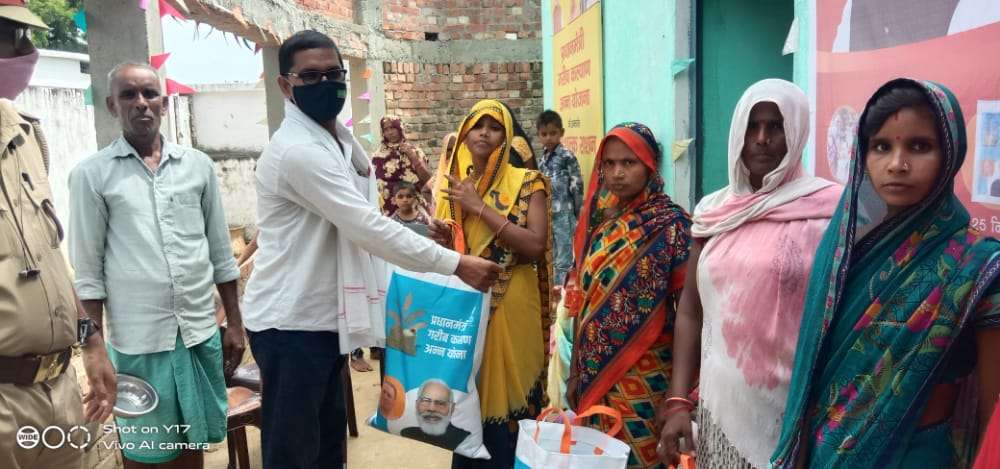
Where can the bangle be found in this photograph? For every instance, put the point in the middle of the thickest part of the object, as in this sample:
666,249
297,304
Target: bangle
671,410
504,225
480,214
682,400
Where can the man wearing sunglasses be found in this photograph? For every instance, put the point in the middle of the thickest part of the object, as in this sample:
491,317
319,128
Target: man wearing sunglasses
318,285
41,415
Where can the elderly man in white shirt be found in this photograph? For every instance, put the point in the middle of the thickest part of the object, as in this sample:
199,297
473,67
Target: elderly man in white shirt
316,265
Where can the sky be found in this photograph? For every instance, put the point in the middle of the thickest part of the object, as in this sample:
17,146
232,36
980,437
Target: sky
202,55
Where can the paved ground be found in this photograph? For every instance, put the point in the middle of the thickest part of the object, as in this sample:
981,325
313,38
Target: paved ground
371,449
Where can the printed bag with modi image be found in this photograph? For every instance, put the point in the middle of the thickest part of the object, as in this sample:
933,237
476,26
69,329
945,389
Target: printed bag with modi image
435,331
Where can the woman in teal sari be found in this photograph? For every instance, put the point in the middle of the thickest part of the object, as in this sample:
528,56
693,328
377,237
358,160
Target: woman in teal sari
902,303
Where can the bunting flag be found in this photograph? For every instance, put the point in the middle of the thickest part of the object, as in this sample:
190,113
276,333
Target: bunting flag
679,65
680,147
157,60
174,87
792,40
365,96
367,120
366,74
167,10
143,4
349,123
80,19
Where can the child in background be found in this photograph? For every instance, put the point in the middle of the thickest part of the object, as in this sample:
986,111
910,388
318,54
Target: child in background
408,209
412,215
559,164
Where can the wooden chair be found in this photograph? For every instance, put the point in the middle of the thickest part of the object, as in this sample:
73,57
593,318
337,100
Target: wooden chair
244,410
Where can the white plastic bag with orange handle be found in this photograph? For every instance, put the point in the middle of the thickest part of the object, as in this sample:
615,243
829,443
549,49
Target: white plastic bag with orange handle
547,445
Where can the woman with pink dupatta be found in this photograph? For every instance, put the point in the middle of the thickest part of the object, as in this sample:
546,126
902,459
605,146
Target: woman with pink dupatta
739,314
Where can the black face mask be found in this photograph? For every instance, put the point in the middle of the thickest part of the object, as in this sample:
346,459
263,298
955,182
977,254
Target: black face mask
321,101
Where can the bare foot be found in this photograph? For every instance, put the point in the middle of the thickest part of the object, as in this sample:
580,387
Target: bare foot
359,364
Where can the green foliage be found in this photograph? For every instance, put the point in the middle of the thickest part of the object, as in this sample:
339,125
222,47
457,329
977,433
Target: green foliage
63,35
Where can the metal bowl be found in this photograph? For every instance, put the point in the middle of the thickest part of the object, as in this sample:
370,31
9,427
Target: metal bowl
135,397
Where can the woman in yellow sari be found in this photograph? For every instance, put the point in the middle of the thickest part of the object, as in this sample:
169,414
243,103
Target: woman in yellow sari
494,210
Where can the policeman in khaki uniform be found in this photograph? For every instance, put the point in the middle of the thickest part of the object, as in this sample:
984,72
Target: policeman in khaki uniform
40,317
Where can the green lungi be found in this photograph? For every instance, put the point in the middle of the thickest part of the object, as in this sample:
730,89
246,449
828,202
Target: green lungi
192,409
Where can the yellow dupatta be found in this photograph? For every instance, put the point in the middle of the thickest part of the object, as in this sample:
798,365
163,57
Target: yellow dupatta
498,186
514,360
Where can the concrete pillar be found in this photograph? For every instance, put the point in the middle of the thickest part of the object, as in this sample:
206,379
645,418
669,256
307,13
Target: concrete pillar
118,31
359,107
376,87
275,98
369,14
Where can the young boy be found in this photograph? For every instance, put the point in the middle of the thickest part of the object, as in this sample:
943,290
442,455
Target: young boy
561,167
408,209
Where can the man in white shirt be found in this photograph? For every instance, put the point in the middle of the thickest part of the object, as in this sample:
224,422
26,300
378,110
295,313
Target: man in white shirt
318,222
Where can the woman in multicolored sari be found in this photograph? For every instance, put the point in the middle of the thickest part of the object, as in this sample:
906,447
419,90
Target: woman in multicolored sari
755,242
397,160
499,212
900,337
632,247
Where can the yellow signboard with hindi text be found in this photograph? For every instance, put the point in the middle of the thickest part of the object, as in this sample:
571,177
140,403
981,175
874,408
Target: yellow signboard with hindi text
578,72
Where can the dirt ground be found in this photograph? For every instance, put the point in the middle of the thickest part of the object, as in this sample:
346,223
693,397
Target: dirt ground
371,449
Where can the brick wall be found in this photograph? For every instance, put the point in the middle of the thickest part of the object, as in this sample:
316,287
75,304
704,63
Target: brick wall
340,9
462,19
432,99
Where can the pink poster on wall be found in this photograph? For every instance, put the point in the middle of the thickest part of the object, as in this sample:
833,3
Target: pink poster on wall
861,44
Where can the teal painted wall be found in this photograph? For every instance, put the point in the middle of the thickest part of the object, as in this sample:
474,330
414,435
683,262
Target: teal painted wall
802,58
739,43
803,61
638,85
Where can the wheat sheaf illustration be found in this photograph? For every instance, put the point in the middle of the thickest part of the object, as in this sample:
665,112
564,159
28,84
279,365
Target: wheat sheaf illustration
403,334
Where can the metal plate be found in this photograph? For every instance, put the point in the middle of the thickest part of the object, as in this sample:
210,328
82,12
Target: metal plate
135,397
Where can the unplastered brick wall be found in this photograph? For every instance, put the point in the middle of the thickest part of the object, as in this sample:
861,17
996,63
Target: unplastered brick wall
340,9
432,99
461,19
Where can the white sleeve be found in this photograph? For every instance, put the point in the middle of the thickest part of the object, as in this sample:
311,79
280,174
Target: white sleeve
325,187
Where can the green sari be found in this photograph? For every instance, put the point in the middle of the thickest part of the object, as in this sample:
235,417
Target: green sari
885,319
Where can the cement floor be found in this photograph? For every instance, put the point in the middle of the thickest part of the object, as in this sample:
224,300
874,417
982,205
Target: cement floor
371,449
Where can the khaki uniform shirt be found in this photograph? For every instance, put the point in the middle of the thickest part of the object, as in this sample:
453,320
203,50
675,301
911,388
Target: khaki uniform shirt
37,315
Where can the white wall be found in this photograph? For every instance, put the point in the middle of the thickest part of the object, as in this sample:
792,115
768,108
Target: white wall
58,69
239,190
68,126
229,118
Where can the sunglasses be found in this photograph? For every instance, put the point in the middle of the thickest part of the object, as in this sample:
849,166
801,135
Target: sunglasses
311,77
